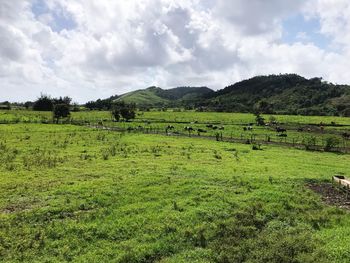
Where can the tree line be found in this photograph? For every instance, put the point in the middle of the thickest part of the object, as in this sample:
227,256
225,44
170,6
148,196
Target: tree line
61,108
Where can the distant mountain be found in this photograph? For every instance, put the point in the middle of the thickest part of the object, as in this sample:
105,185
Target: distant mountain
284,94
281,94
157,97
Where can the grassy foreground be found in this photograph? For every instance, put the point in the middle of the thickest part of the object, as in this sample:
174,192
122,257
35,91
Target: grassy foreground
75,194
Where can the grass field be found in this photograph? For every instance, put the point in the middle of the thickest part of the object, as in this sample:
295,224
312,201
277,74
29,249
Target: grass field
233,124
170,116
70,193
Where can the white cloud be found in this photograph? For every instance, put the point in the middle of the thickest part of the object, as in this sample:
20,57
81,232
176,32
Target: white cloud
117,46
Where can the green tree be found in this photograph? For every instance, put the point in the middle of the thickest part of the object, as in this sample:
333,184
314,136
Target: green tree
264,107
44,103
60,111
28,104
123,110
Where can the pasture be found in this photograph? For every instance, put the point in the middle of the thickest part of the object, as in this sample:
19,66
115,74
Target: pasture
73,193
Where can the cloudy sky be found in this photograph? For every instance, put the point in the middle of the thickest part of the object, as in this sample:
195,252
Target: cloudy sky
91,49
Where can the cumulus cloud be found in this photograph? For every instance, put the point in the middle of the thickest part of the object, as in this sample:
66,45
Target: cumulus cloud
89,49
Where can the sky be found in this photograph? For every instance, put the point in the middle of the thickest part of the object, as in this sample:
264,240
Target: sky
90,49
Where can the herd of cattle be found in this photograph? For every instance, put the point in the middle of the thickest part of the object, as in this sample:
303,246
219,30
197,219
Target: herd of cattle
280,131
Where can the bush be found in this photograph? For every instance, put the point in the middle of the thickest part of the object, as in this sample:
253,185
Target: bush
256,147
330,143
309,142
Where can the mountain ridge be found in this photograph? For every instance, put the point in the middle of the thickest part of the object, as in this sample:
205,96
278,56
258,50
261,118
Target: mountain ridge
280,94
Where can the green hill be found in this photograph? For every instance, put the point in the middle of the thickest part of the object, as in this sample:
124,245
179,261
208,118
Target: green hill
284,94
281,94
144,98
157,97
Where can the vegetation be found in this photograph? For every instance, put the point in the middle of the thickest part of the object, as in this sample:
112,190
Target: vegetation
44,103
123,110
60,111
283,94
275,94
99,104
154,97
70,193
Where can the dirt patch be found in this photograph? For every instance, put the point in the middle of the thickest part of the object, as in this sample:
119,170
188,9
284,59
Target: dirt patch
332,194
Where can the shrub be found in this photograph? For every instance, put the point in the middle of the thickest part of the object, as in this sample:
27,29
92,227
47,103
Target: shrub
309,142
256,147
330,143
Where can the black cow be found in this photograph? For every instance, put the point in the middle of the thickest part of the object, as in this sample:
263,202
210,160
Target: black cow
201,131
279,129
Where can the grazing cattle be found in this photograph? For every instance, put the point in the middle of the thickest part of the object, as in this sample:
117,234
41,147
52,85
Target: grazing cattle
248,128
215,127
300,130
210,126
279,129
188,128
199,131
221,128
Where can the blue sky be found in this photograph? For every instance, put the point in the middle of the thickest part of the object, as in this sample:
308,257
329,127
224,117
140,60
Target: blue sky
60,19
299,29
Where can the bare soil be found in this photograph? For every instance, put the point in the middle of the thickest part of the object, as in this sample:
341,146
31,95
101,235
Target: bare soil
332,194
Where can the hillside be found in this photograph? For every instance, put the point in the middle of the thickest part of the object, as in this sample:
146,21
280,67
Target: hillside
284,94
281,94
157,97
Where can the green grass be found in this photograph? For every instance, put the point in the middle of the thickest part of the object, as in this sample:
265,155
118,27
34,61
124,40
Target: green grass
170,116
70,193
233,122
